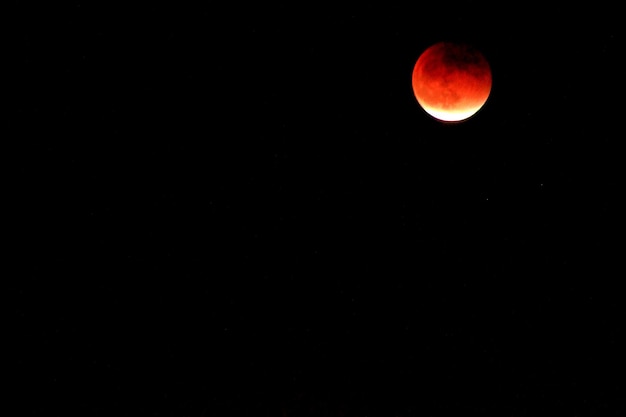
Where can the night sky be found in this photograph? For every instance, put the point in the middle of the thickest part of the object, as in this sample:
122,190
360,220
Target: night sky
235,211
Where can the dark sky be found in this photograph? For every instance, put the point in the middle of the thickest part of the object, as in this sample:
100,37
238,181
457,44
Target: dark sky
234,211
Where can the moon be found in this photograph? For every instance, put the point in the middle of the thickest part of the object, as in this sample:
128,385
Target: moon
451,81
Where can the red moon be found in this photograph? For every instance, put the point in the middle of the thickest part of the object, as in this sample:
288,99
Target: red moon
451,81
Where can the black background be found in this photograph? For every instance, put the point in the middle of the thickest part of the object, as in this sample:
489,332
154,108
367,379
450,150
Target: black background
244,211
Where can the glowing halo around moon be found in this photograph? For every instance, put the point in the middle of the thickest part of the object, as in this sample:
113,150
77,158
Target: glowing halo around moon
451,81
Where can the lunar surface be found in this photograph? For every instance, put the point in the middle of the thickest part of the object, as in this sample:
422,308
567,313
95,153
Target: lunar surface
451,81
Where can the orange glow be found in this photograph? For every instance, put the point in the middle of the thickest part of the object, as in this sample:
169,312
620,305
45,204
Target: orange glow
451,81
